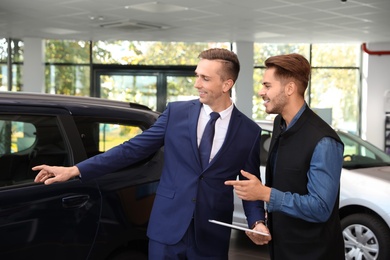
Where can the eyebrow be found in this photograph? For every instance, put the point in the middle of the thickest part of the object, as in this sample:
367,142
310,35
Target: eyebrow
202,75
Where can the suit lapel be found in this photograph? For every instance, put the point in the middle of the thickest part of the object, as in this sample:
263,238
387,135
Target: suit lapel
234,125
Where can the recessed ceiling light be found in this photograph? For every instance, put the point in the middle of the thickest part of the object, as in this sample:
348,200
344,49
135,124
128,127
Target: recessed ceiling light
92,18
59,31
267,35
157,7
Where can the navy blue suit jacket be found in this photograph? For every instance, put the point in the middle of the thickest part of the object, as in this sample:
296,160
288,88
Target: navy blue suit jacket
186,191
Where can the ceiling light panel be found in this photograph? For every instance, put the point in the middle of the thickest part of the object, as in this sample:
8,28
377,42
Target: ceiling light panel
157,7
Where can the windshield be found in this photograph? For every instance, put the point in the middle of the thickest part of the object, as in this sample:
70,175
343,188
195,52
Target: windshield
361,154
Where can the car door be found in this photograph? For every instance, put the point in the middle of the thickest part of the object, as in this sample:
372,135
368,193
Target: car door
40,221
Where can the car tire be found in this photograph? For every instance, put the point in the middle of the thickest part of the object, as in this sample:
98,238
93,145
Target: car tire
365,237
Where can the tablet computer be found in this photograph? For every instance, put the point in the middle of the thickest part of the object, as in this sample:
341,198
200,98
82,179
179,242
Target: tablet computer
237,227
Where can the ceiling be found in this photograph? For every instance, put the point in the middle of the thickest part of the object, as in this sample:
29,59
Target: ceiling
265,21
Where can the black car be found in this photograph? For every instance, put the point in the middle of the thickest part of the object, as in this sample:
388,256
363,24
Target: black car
105,218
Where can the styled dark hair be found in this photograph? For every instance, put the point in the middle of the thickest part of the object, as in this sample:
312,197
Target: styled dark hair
291,67
231,64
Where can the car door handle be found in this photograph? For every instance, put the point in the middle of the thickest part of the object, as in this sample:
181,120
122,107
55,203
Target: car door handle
75,201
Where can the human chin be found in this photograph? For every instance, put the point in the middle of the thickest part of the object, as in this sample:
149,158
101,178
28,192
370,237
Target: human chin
202,99
268,107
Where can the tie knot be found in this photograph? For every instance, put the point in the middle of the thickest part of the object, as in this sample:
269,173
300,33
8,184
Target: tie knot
214,116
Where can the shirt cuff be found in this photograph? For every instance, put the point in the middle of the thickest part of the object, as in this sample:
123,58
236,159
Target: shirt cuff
275,200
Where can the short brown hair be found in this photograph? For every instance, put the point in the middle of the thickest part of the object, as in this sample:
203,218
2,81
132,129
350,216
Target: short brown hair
291,66
228,58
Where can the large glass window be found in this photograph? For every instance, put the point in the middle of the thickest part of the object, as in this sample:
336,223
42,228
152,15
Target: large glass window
67,79
140,89
3,50
65,51
335,83
11,80
333,90
181,88
149,53
3,77
335,55
263,51
67,68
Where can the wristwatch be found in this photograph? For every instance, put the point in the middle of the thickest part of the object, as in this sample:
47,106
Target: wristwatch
258,222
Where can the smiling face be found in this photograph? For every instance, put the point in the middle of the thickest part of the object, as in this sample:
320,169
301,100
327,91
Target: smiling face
273,93
213,89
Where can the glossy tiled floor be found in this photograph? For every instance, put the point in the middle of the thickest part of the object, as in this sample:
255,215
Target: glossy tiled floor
242,248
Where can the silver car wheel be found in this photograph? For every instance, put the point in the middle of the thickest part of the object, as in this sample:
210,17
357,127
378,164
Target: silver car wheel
360,243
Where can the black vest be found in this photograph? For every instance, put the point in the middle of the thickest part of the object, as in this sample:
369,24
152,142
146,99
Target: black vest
294,238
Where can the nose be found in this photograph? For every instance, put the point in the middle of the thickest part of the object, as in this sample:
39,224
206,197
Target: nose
196,84
261,91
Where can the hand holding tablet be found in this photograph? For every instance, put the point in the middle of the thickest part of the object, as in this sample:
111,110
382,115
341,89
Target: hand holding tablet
237,227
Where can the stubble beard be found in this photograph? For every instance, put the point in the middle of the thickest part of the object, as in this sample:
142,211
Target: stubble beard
277,104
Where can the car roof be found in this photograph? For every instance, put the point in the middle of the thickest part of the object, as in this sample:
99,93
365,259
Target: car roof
76,105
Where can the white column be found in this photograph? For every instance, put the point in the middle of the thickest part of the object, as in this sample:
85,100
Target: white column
244,84
375,83
33,65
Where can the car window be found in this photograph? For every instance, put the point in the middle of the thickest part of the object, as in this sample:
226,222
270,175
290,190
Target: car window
16,136
99,135
111,135
361,154
354,148
27,141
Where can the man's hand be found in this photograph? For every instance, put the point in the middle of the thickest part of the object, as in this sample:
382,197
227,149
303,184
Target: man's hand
257,238
52,174
251,189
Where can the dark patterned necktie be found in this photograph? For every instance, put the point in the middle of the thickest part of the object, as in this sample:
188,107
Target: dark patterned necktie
207,140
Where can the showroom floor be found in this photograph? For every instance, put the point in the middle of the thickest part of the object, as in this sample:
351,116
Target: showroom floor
242,248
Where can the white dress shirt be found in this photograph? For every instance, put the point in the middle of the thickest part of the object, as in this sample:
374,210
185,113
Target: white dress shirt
221,126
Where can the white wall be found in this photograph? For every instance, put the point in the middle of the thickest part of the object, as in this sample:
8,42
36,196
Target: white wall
244,84
375,83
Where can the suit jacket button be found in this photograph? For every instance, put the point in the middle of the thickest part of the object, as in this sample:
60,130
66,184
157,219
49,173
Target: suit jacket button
193,200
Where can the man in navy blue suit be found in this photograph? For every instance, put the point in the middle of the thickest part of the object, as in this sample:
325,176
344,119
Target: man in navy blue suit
188,194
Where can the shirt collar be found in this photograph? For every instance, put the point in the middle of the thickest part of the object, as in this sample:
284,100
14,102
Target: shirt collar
297,116
222,114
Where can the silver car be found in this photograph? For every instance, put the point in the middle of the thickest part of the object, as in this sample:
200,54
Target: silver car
364,196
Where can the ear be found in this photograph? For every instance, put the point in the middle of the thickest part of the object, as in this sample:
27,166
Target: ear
227,85
291,88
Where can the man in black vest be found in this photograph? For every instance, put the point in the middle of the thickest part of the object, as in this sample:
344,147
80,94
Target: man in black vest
303,170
